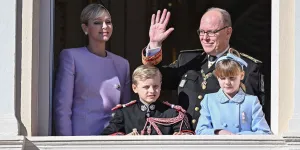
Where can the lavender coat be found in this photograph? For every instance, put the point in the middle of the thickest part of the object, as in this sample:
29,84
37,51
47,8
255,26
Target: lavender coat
87,87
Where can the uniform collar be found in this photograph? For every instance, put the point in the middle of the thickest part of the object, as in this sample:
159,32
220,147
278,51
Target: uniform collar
238,98
222,53
205,65
147,107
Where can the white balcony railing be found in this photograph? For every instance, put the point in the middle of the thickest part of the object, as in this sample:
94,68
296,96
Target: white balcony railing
151,142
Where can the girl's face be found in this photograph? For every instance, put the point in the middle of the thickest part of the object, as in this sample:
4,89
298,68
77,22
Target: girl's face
100,28
230,85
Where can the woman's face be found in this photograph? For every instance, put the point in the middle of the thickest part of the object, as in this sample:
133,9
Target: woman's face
99,28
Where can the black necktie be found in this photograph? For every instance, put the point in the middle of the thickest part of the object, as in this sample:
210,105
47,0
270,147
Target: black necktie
212,58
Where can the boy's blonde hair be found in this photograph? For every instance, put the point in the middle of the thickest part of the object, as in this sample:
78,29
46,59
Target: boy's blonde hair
92,11
145,72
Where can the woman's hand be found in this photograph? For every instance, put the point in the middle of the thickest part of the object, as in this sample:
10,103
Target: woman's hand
158,32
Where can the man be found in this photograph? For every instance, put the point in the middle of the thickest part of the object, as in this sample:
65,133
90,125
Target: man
192,72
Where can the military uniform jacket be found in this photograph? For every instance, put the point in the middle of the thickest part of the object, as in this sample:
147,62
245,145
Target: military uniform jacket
185,75
240,115
134,117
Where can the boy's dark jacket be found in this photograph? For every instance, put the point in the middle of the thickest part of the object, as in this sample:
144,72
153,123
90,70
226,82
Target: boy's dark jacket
134,116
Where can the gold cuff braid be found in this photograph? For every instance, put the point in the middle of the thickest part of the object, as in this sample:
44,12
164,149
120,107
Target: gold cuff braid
152,60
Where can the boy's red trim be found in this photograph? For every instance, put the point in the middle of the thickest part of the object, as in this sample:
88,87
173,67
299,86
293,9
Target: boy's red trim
124,105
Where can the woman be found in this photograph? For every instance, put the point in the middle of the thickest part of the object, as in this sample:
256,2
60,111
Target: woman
90,80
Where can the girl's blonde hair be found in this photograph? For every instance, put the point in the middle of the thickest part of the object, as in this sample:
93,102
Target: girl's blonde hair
145,72
228,68
92,11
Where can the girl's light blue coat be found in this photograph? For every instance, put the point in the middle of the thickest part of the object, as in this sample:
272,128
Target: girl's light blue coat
241,115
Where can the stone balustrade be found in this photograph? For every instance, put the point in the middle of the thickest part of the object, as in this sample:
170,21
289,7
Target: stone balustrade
290,141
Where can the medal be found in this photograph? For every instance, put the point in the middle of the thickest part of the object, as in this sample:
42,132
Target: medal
205,77
203,84
243,117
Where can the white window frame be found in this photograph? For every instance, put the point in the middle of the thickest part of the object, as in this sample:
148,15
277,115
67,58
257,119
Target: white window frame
46,67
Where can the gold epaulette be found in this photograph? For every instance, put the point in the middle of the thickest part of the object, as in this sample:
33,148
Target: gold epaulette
123,105
251,58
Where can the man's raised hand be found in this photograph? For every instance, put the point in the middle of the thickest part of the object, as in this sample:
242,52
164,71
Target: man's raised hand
158,32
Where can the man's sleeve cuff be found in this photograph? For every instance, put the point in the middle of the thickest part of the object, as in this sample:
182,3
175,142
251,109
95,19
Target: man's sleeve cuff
152,60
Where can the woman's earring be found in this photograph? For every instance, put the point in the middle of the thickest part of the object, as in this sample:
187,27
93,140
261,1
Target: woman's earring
85,33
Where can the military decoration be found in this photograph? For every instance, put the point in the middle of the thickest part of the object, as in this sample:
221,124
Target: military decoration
205,77
183,81
243,117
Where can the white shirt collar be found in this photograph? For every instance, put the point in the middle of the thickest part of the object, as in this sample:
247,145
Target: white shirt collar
223,52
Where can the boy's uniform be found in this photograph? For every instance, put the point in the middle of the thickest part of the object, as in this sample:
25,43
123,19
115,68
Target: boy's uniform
155,119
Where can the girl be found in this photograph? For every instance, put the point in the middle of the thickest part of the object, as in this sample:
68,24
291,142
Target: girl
90,80
231,111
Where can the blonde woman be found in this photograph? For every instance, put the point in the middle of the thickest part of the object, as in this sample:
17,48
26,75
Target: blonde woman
90,80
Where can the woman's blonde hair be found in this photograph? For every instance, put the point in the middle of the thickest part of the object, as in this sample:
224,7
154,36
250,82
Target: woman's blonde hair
145,72
228,68
92,11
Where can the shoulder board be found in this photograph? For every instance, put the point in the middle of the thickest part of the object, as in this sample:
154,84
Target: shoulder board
192,50
251,58
176,107
123,105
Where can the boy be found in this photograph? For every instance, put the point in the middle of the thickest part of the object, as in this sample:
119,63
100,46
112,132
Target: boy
147,116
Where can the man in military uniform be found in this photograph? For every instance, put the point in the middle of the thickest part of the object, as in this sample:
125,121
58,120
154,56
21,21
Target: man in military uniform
148,116
192,72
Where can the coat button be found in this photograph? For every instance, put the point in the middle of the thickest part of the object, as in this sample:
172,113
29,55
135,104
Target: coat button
197,108
194,121
224,125
200,97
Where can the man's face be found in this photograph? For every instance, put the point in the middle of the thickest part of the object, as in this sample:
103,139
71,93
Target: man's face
211,22
149,89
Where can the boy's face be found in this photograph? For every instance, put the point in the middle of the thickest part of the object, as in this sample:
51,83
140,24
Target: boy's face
148,90
231,85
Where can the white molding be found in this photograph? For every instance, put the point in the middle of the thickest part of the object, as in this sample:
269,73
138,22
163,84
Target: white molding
275,66
159,142
8,125
287,141
294,122
292,140
12,142
8,42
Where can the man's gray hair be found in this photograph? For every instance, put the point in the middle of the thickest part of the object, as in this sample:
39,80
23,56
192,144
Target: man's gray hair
225,15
